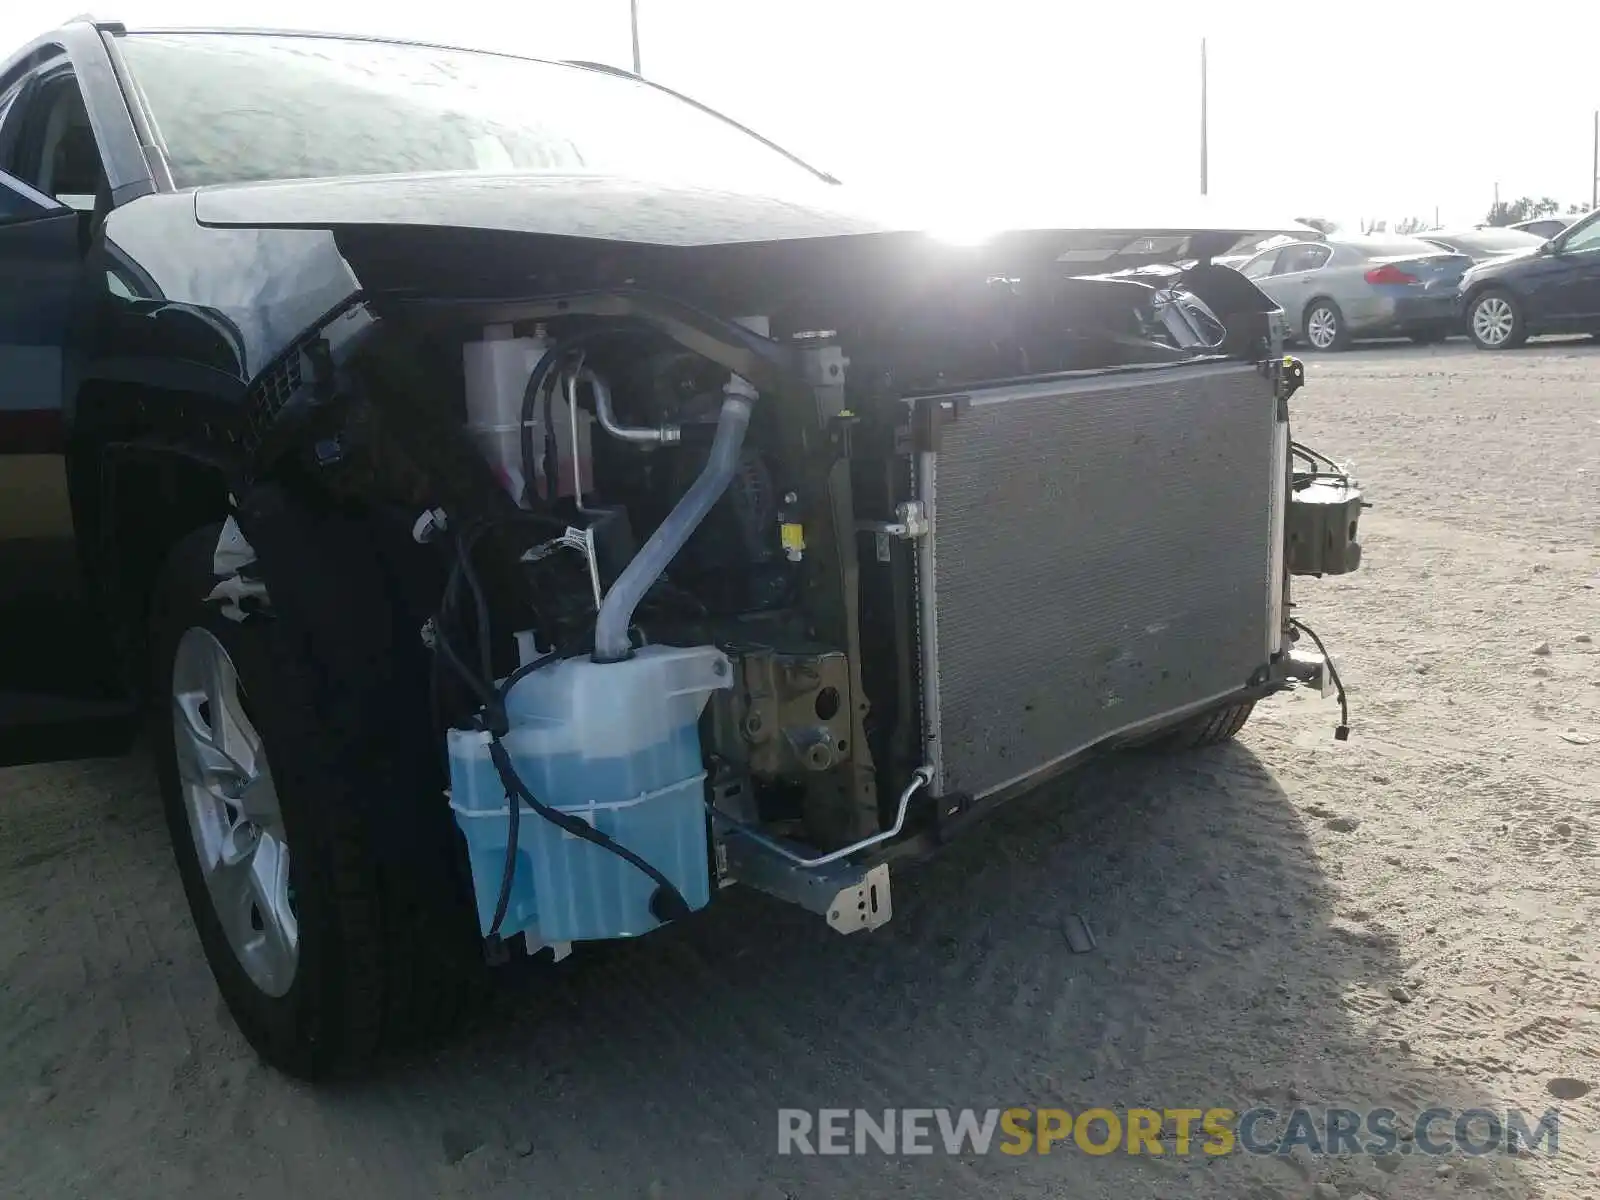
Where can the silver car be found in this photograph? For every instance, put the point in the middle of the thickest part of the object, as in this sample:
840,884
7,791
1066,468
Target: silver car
1545,228
1342,288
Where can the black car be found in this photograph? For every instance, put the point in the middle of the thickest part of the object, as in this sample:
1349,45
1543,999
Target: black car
1552,288
525,502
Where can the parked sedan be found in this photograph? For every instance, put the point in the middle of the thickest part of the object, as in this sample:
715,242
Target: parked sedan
1482,244
1348,287
1554,288
1543,227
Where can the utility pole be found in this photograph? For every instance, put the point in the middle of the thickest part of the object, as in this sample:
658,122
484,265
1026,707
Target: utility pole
633,12
1204,123
1594,184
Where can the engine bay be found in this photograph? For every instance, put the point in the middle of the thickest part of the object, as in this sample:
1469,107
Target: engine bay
639,507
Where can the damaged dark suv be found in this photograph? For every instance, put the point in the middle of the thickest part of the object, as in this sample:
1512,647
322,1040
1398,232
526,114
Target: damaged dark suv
524,502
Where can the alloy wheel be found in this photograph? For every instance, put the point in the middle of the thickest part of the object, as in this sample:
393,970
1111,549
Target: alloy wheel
234,815
1322,327
1493,321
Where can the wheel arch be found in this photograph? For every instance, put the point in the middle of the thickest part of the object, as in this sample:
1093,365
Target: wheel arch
1481,286
134,500
1319,298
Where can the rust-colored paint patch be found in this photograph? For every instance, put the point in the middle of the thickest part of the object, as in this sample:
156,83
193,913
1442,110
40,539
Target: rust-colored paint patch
33,497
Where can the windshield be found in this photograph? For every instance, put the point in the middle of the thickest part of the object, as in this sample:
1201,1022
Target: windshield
234,108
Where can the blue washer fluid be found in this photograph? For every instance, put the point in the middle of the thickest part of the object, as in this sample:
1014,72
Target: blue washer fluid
616,744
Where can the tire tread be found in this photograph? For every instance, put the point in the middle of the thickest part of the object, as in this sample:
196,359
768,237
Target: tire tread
1208,729
395,969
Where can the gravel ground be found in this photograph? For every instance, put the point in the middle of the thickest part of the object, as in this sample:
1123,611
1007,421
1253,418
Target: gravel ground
1404,920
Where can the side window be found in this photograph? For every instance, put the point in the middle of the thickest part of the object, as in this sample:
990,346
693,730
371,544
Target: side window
1585,239
56,153
1301,258
1260,266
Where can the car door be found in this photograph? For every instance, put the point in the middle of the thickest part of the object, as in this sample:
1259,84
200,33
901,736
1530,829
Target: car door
1573,296
1294,276
56,698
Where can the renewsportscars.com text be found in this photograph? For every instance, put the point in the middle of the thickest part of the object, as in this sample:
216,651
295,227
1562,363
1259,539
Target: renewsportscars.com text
1175,1131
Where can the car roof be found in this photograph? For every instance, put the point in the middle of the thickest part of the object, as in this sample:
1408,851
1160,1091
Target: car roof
86,21
375,39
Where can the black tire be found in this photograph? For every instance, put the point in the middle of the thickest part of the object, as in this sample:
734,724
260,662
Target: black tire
385,956
1483,332
1340,333
1208,729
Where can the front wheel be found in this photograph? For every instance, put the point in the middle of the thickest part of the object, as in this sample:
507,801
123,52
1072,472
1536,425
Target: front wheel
324,952
1495,322
1324,326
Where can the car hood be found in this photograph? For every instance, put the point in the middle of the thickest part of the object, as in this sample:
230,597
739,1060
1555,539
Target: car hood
643,212
1513,261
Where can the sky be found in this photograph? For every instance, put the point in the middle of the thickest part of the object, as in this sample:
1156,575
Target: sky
1384,110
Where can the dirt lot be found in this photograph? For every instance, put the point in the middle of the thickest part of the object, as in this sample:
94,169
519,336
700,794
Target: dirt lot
1404,920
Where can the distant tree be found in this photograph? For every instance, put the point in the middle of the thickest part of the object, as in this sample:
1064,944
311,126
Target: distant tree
1576,210
1524,208
1321,224
1413,225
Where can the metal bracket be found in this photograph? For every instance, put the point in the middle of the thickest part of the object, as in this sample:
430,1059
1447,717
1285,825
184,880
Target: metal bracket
853,899
1310,667
911,521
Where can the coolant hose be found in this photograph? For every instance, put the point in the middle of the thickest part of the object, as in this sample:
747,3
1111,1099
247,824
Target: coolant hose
611,639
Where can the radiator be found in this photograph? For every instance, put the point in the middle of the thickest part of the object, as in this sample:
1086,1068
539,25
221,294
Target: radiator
1103,551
